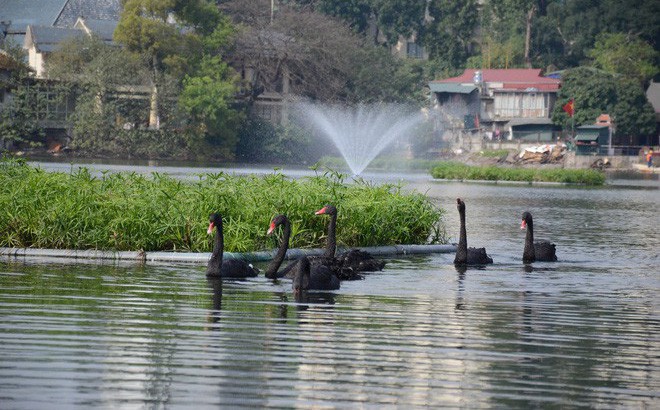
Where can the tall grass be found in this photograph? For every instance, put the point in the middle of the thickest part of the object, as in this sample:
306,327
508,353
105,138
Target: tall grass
129,211
455,170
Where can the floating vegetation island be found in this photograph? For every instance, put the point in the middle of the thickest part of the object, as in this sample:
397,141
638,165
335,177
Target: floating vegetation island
131,211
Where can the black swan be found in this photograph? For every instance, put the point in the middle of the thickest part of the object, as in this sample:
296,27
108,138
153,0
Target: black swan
231,268
271,271
542,251
318,277
328,262
465,255
354,260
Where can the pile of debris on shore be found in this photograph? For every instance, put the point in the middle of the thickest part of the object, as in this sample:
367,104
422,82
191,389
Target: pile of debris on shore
543,154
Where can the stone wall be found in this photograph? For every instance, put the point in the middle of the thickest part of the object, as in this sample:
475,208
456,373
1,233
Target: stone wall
584,161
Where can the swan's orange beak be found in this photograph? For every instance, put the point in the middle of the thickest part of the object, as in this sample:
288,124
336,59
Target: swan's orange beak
321,211
210,230
523,225
271,228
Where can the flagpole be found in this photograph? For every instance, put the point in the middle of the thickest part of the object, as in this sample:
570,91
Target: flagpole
573,126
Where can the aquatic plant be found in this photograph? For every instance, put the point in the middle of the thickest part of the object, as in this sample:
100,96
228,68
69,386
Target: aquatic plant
455,170
130,211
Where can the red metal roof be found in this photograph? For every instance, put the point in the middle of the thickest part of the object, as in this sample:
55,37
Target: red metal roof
514,78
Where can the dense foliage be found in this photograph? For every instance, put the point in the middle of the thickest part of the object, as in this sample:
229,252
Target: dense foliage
194,69
458,171
20,116
129,211
595,92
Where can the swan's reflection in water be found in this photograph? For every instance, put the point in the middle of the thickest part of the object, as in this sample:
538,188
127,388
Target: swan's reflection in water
460,304
213,316
318,299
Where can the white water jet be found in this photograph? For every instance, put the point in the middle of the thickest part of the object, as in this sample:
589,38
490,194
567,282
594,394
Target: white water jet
363,131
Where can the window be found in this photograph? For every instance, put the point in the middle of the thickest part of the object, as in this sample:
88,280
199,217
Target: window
414,51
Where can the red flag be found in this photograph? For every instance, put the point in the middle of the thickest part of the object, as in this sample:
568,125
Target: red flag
569,107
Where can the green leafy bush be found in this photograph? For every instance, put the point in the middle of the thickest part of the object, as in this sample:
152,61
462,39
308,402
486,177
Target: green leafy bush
130,211
455,170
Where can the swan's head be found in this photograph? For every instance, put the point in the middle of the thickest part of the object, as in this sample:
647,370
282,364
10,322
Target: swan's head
460,205
215,219
327,210
277,221
526,220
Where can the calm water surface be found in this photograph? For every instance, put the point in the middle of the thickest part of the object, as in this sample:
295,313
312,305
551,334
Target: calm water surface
584,331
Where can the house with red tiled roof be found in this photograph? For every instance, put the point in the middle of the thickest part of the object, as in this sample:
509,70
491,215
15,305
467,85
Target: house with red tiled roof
514,102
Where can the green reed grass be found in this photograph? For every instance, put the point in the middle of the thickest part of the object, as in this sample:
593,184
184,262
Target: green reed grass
455,170
129,211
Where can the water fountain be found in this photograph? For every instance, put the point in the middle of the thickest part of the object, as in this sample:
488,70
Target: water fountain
363,131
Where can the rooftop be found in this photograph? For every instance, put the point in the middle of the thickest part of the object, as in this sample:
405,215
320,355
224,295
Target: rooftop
515,78
46,39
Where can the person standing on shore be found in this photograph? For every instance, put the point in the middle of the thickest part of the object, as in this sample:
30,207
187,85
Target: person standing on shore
649,158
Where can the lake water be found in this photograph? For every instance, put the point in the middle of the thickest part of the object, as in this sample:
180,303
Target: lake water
584,331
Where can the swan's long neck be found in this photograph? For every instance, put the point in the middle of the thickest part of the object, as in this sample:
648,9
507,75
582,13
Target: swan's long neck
331,243
461,250
528,252
301,279
218,248
274,265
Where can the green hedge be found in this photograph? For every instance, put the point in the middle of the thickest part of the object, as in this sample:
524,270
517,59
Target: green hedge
129,211
455,170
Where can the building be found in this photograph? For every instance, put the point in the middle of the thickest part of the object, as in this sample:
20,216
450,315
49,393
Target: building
41,41
40,27
653,95
513,102
589,139
16,15
49,22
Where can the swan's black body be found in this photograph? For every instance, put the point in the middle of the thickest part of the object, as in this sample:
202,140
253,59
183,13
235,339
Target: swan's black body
350,262
542,251
232,268
317,278
305,276
465,255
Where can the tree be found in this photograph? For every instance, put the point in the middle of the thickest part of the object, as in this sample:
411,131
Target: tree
371,18
596,92
206,96
575,24
633,114
21,114
302,49
378,76
183,43
323,58
628,55
146,29
397,18
356,13
108,84
449,37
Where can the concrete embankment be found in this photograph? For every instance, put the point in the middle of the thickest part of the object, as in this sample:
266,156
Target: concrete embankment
199,258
